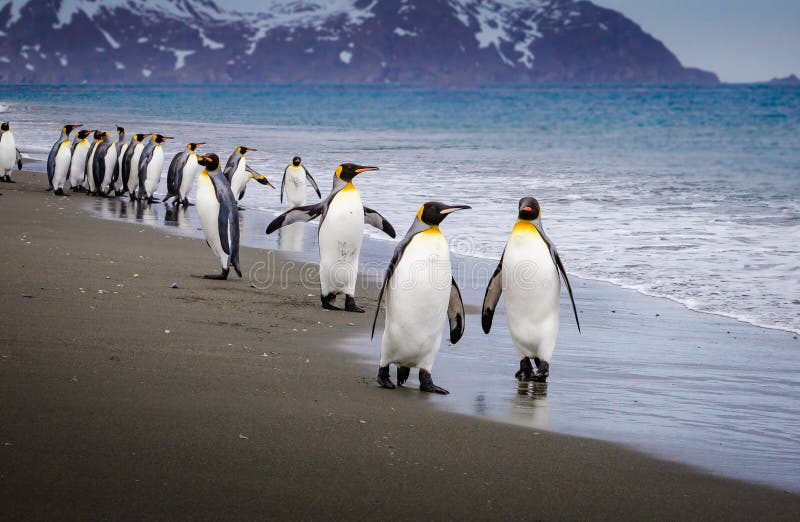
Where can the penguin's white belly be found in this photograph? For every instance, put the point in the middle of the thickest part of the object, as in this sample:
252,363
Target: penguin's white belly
77,164
531,289
8,152
208,211
133,178
120,156
187,176
416,303
154,171
239,178
295,187
110,161
340,237
63,157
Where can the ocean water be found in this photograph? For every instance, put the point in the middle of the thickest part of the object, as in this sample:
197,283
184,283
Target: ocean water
692,194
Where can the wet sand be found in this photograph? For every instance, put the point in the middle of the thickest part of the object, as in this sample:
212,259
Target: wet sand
121,397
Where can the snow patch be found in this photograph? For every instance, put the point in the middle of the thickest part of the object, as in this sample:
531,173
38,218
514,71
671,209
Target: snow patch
208,42
180,58
4,59
399,31
63,60
146,73
142,39
345,57
30,67
113,43
119,65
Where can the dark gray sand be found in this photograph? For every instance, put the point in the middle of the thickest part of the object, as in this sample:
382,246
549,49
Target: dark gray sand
121,397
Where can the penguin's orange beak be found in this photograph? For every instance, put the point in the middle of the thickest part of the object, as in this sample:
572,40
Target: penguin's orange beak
365,169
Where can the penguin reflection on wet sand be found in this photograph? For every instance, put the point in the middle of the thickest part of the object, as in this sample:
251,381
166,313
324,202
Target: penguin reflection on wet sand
219,215
341,231
419,289
528,273
9,154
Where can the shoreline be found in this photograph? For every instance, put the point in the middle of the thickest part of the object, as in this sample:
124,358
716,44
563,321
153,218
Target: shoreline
234,413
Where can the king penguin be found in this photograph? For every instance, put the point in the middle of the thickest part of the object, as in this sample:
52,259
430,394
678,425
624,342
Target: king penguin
103,163
294,183
150,164
181,173
9,154
78,152
130,164
419,289
121,145
341,231
90,183
528,273
219,215
58,160
238,173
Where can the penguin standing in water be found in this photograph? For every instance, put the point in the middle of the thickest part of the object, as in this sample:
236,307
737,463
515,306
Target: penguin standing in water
121,145
129,168
294,183
528,273
219,215
181,173
78,152
90,182
103,163
59,159
9,154
419,289
238,173
341,231
150,164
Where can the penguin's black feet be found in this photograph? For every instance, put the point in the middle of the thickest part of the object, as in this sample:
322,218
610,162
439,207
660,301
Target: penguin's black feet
426,383
525,372
49,187
7,179
383,378
60,192
402,374
219,277
542,370
351,306
327,302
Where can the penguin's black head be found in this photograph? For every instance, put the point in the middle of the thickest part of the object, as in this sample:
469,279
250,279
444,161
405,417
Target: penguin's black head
193,146
4,126
296,161
244,150
83,133
158,138
98,134
139,137
120,130
348,171
69,128
433,212
529,209
209,161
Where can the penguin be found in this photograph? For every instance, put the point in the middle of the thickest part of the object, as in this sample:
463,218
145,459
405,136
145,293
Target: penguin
9,154
90,182
58,160
121,145
528,273
340,232
419,289
219,215
238,173
181,173
130,164
78,151
294,183
103,163
150,164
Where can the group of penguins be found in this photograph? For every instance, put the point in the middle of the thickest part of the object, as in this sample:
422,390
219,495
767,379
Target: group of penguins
418,287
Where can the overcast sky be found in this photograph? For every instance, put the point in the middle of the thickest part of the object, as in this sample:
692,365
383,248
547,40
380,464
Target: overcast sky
740,40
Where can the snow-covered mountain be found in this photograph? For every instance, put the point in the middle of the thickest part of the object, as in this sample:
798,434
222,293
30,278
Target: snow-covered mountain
427,42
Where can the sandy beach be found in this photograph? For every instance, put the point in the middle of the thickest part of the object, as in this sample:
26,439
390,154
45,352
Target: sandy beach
123,398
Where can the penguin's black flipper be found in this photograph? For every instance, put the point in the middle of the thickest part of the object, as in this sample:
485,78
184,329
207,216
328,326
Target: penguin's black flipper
455,313
492,296
557,261
19,161
174,175
283,182
51,163
262,179
313,182
302,214
376,220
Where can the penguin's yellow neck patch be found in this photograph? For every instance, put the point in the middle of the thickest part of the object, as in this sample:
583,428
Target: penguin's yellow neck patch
433,231
204,173
524,227
348,187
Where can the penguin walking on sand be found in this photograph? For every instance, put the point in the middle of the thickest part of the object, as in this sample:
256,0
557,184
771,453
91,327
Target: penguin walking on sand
77,164
9,154
181,173
294,183
238,173
121,145
90,182
150,165
129,168
103,163
528,273
420,290
219,215
59,159
341,231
